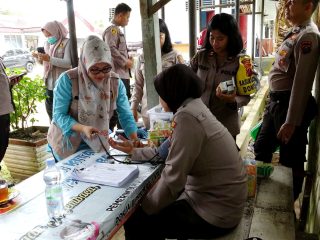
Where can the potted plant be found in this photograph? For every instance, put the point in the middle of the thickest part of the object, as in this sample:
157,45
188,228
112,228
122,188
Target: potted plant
27,144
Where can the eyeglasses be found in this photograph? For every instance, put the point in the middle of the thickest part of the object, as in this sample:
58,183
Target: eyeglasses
96,71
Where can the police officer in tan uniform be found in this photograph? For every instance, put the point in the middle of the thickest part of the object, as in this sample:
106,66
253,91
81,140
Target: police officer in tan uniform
6,107
202,189
291,107
121,61
218,61
169,57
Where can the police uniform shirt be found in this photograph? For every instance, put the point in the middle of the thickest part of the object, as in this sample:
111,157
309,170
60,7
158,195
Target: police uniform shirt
204,63
5,97
201,155
294,68
115,38
139,91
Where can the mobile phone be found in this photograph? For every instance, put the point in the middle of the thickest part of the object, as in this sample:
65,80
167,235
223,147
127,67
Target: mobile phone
40,50
17,75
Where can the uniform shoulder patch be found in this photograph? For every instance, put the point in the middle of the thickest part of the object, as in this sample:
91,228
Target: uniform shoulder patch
173,124
114,31
306,47
283,53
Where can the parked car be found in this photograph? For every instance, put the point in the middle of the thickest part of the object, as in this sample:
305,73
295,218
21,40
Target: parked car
16,58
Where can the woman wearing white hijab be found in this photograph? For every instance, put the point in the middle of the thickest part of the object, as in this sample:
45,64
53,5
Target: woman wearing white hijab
56,59
84,100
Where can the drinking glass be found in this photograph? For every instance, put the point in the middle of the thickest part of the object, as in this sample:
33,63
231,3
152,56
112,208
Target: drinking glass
4,193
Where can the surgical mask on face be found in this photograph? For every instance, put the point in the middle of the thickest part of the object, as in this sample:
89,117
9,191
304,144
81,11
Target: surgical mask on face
52,40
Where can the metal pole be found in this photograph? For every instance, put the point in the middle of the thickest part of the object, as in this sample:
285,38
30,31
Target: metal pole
261,36
72,33
253,29
237,6
200,16
163,14
192,28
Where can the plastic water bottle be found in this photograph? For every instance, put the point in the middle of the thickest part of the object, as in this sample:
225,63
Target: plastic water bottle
53,192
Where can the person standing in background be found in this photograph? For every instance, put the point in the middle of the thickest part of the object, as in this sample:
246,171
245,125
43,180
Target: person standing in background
291,107
218,61
169,57
6,107
121,62
56,59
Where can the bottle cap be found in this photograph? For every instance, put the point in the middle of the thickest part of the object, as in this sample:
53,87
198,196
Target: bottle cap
50,162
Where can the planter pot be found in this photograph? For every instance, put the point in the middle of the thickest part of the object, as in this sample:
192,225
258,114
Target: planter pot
24,158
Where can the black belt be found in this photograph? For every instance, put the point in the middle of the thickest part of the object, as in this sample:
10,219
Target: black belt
282,96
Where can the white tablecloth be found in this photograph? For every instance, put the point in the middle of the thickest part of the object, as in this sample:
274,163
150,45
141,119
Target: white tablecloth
107,206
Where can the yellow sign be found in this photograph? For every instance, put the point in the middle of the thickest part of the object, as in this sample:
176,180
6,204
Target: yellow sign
245,81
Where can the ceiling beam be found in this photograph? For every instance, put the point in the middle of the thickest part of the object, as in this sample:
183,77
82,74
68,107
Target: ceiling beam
155,7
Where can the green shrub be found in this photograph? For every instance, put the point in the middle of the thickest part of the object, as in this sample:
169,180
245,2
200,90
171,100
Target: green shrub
26,94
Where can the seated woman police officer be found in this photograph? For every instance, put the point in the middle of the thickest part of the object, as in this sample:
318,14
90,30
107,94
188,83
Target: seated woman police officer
193,197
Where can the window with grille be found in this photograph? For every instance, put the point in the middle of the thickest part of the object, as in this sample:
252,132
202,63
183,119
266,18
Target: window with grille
207,3
211,3
197,5
227,1
111,14
14,41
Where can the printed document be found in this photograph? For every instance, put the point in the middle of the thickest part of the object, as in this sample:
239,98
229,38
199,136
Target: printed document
106,174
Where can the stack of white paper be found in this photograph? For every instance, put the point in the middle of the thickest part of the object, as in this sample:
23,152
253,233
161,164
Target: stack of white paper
106,174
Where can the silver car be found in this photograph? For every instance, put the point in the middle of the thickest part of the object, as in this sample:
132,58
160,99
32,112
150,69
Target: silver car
17,58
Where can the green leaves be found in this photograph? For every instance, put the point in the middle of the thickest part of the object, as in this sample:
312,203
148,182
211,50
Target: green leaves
26,94
14,71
